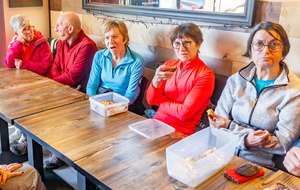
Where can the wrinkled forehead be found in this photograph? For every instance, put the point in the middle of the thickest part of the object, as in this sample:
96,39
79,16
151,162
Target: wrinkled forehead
62,20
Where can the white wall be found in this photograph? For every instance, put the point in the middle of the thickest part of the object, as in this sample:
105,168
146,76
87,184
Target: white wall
218,44
39,17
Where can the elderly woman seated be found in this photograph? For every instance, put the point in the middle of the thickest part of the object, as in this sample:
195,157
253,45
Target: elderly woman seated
116,68
182,87
261,102
29,50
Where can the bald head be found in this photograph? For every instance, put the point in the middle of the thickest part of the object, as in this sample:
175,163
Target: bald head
70,18
68,26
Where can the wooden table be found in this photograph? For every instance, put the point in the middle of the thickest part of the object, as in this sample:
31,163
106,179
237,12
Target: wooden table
24,93
281,177
105,152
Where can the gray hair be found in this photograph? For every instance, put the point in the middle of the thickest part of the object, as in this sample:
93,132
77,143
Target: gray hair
17,21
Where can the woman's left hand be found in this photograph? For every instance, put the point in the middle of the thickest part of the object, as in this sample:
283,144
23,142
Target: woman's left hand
219,122
260,139
10,168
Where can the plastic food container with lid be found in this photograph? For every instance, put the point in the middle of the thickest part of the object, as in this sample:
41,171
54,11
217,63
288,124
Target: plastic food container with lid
120,106
184,164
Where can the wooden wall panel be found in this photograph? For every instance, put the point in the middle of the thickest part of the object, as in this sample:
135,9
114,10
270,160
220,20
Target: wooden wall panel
268,11
55,5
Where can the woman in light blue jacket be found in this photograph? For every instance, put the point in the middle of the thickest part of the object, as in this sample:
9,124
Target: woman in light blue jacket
116,68
261,102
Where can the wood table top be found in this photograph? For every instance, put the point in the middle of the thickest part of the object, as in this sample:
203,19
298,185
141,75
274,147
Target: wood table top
24,93
286,179
104,147
109,151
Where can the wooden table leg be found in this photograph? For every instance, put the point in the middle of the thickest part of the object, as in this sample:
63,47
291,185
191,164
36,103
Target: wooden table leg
83,183
35,155
4,136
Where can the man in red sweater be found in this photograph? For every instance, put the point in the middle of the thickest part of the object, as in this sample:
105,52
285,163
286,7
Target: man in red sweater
73,60
75,52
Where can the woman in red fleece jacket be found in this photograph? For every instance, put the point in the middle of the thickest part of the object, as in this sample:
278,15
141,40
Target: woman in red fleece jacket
29,49
182,95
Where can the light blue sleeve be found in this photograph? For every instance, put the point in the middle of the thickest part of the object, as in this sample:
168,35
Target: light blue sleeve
297,143
95,74
137,71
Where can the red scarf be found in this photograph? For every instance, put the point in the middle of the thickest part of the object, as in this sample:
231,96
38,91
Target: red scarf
27,50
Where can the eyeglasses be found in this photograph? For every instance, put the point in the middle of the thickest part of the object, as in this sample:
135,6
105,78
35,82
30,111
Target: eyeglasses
186,44
29,28
273,46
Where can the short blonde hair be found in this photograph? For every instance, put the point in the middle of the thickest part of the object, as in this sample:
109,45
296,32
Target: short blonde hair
108,24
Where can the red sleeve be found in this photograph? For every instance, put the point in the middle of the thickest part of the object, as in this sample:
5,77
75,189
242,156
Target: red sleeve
14,52
43,52
194,101
154,94
80,67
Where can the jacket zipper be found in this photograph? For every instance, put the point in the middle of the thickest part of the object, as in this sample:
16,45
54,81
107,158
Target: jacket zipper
181,72
254,105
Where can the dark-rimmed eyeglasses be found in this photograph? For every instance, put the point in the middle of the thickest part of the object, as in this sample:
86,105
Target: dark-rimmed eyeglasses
29,28
177,45
273,46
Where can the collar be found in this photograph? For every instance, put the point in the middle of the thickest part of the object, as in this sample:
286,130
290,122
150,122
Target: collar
76,39
196,62
248,73
127,59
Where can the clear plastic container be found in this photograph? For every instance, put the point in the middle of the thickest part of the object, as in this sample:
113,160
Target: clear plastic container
193,172
120,106
151,128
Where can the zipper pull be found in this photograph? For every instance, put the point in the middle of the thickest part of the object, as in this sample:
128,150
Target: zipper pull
255,103
181,72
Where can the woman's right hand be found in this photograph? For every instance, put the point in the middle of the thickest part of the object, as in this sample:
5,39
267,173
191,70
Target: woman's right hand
20,38
219,122
161,74
260,139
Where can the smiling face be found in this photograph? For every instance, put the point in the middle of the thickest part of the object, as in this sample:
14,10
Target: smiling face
265,58
186,54
26,31
115,42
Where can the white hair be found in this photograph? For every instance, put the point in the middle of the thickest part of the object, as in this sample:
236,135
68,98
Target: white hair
17,21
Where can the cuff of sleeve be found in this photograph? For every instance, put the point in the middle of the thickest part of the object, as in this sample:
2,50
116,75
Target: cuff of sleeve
297,144
242,142
24,65
229,124
245,144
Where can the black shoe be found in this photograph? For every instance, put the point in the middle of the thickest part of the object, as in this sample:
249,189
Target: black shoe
54,162
20,148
